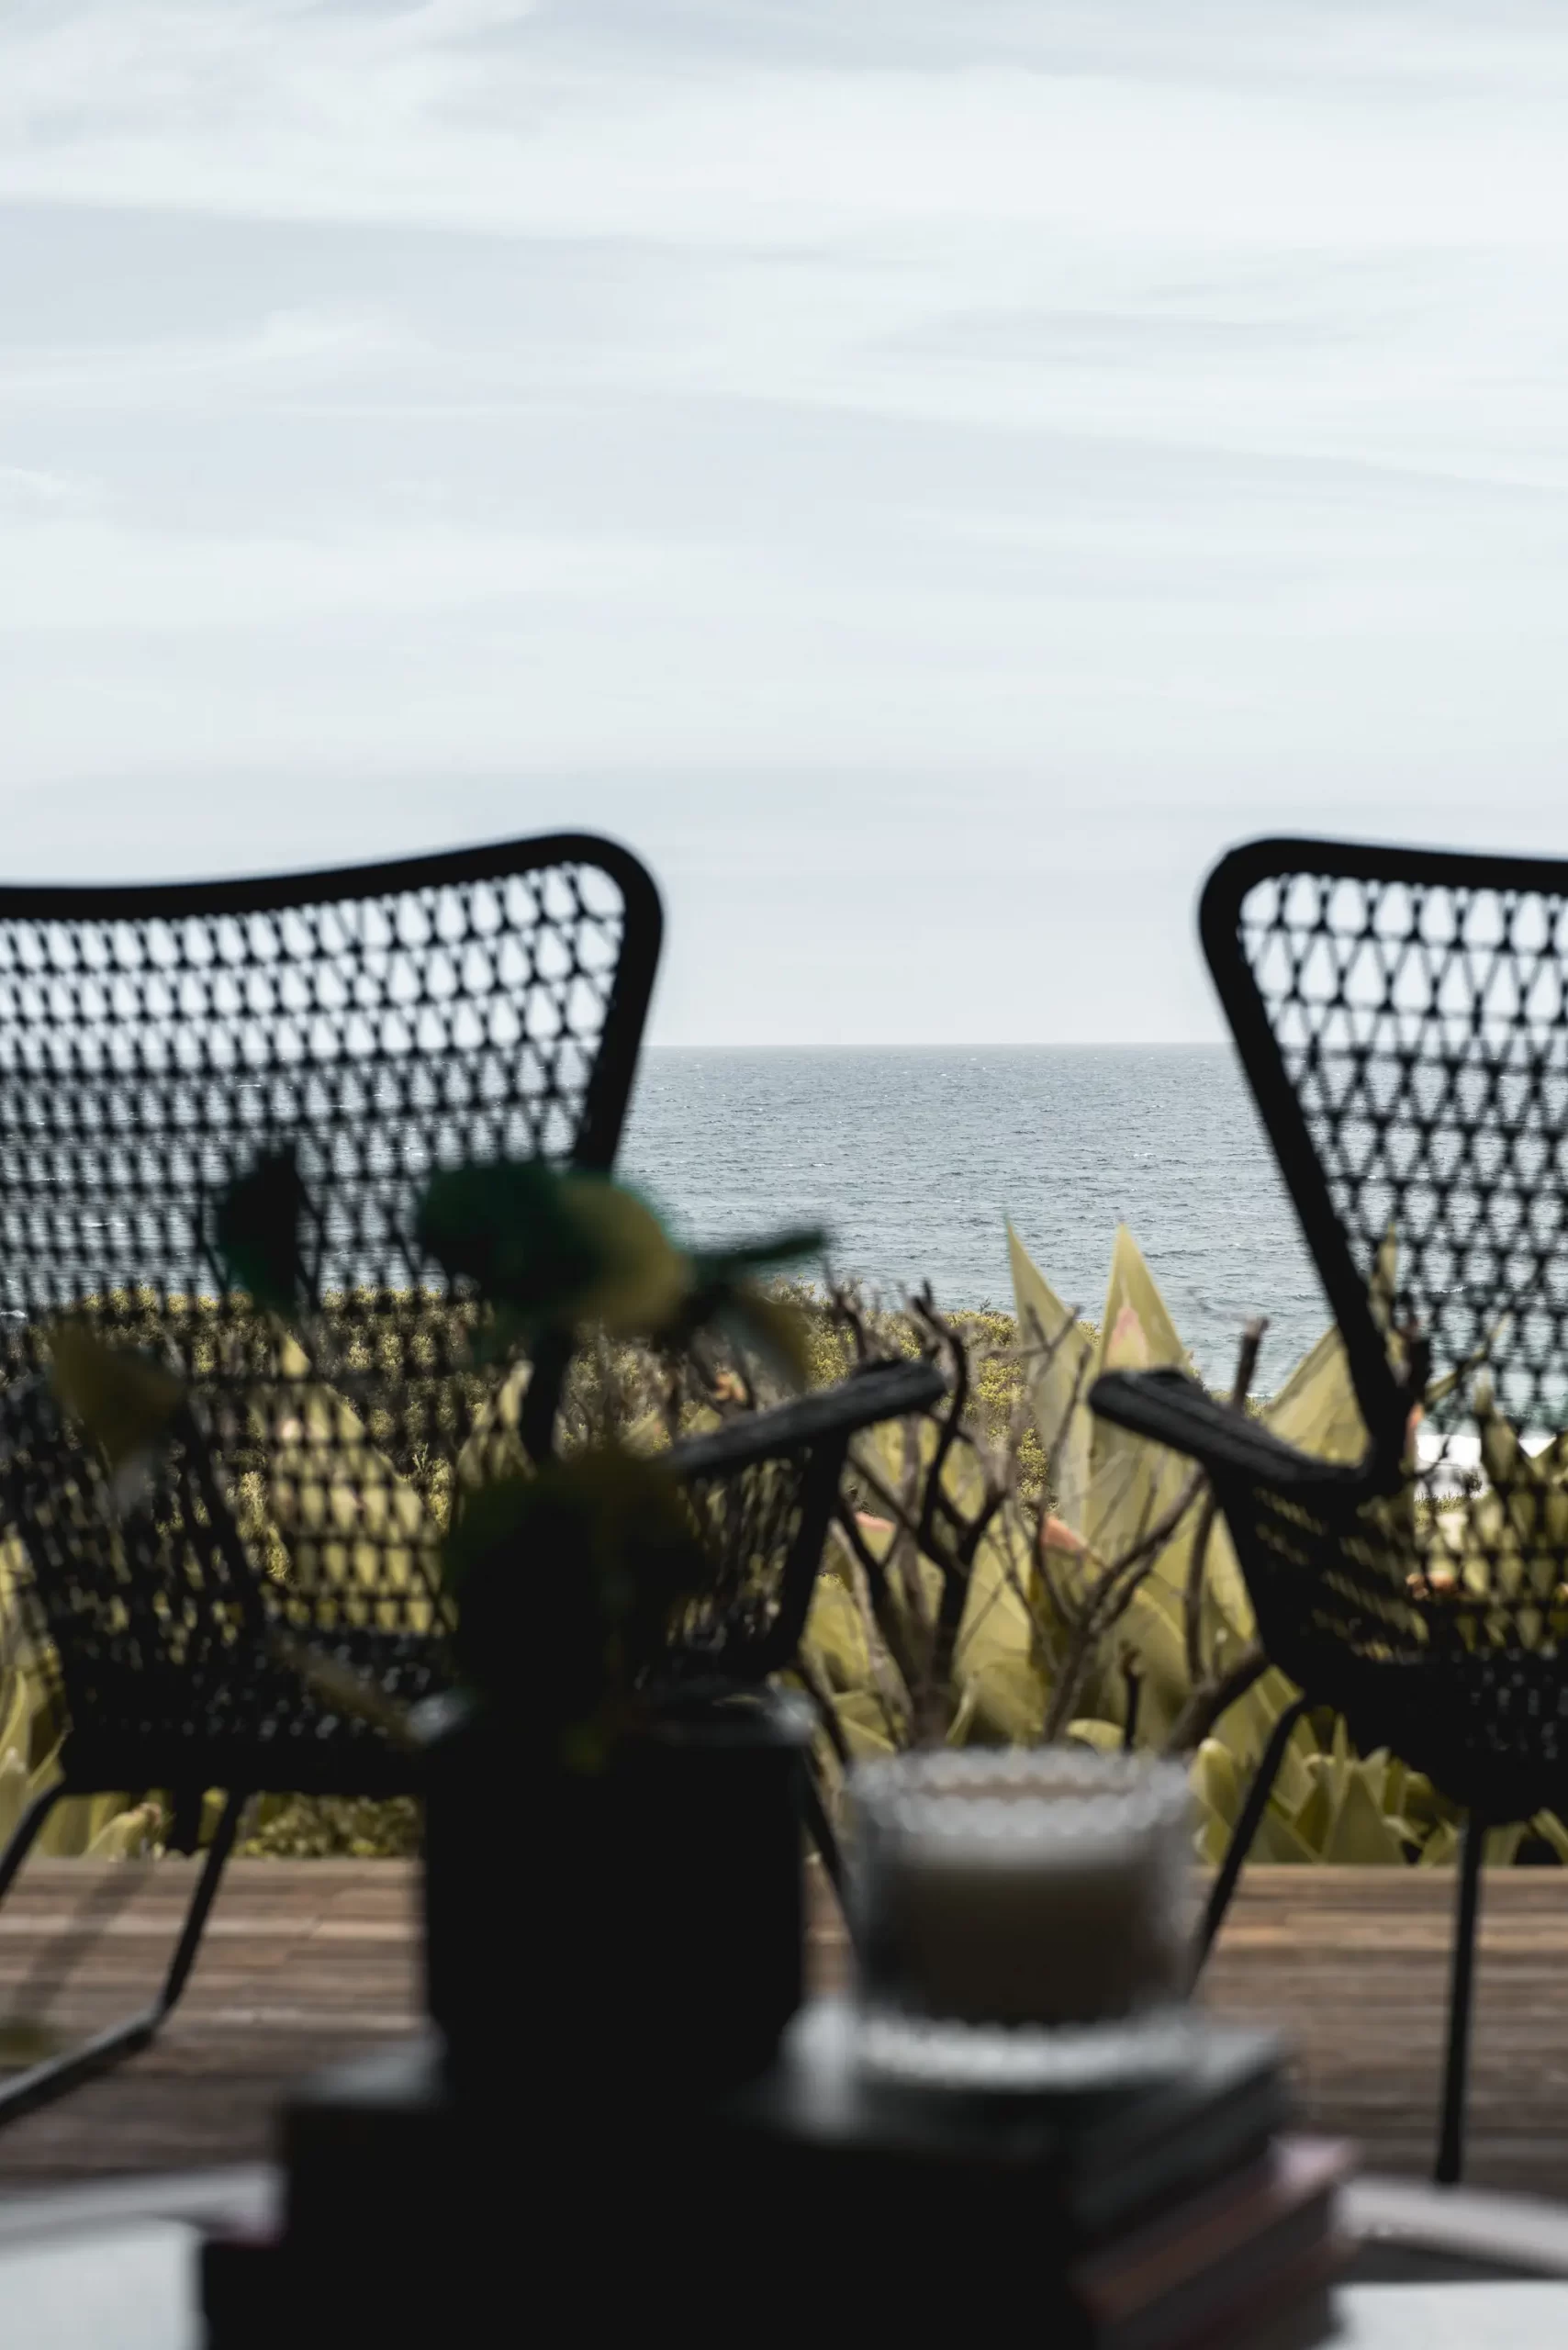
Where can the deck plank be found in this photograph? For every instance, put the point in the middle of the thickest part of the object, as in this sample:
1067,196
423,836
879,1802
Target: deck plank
309,1961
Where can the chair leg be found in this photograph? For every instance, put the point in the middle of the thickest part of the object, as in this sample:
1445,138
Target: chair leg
1461,1982
1244,1832
42,2084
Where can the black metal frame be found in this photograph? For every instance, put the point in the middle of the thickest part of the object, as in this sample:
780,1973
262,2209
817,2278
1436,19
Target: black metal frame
92,1764
1275,1496
816,1429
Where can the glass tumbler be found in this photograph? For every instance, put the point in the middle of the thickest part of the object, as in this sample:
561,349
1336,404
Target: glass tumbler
1045,1888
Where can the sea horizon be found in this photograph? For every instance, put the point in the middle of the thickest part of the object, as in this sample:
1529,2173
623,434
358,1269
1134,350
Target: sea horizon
916,1182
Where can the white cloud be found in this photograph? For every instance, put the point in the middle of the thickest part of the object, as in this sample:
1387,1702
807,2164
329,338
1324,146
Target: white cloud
1140,424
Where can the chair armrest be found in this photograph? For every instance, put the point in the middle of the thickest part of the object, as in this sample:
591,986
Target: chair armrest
882,1391
776,1476
1169,1408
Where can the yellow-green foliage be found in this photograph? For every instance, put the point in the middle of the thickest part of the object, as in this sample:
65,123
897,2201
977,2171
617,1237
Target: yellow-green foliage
106,1826
1100,1490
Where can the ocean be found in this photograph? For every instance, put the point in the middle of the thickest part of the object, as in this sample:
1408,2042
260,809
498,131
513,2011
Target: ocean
914,1160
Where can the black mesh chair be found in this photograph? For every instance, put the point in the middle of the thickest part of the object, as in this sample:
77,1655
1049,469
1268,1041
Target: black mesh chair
154,1044
1403,1019
765,1487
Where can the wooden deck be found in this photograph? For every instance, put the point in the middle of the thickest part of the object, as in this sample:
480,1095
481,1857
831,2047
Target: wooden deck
307,1961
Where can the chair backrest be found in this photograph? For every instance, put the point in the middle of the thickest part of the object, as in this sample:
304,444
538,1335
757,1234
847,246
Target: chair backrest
1402,1016
765,1487
382,1021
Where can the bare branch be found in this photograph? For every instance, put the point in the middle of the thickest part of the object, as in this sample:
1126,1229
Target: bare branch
1205,1705
1108,1603
1193,1596
878,1603
821,1695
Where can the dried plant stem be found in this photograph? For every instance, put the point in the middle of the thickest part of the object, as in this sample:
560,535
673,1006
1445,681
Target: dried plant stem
1108,1601
1215,1697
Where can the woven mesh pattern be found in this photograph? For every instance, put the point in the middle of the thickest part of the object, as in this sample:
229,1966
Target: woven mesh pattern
1424,1032
755,1523
150,1051
764,1489
1411,1063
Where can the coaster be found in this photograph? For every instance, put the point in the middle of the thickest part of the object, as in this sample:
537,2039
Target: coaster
1023,2060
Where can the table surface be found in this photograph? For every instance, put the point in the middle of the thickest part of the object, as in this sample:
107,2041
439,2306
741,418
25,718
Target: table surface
133,2288
114,2267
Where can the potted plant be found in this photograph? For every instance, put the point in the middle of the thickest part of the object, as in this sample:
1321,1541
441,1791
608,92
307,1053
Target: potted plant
613,1878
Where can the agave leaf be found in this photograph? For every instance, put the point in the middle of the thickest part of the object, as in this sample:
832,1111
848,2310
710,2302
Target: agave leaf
1359,1831
13,1788
1106,1738
1137,1332
1278,1843
996,1625
864,1723
1134,1482
1215,1782
126,1835
835,1635
1314,1819
1055,1387
1547,1826
1218,1789
1441,1847
1008,1696
965,1718
1153,1628
1317,1409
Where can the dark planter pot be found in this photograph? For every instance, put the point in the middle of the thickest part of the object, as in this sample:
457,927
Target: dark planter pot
637,1930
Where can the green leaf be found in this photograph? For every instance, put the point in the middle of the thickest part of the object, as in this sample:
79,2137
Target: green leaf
553,1249
505,1225
768,1330
257,1231
786,1247
642,1279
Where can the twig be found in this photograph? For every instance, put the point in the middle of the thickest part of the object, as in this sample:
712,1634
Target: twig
1108,1603
821,1696
1205,1705
879,1600
897,1704
1133,1679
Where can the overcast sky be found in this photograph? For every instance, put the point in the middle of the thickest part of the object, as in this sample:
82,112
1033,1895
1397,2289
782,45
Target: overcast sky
928,473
